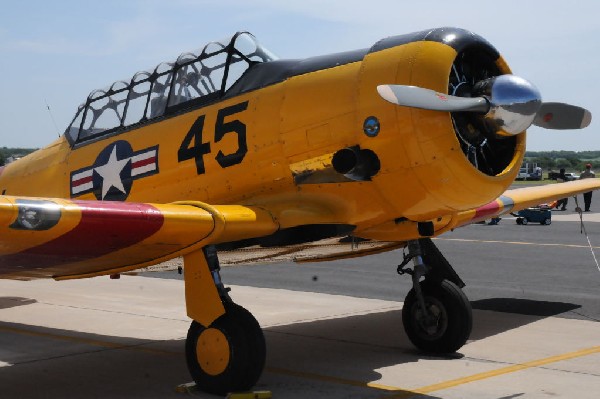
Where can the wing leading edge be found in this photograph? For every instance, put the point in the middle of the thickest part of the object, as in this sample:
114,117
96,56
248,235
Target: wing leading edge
58,238
522,198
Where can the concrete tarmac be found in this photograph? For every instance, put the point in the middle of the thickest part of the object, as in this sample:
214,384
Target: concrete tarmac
102,338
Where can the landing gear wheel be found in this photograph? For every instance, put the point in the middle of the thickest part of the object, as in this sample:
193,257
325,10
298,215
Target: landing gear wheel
228,356
448,324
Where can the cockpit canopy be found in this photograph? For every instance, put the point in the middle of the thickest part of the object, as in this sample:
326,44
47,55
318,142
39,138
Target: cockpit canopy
193,79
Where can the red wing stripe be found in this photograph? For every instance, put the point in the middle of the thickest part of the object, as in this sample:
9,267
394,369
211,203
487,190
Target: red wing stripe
105,227
499,206
487,209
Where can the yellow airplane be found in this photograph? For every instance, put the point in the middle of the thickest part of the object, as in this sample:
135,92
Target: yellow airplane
228,148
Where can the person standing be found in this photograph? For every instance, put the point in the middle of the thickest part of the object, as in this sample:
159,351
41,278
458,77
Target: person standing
562,202
587,174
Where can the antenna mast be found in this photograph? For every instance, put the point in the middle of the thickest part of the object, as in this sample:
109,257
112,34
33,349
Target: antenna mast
52,117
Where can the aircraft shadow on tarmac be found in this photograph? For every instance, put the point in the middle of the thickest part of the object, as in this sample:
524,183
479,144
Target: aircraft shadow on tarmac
7,302
42,364
334,347
524,306
354,348
54,363
511,313
329,355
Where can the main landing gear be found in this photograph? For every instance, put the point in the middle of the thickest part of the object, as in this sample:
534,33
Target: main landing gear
225,347
437,315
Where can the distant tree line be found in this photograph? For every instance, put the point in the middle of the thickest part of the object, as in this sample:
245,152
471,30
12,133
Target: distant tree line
6,153
570,160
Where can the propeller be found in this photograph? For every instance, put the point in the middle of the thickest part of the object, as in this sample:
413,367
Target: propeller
507,102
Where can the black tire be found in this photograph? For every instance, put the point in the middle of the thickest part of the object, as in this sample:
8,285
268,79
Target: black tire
453,323
547,221
235,355
519,221
524,221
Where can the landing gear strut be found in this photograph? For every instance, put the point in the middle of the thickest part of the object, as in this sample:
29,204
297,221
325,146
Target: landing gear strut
227,353
437,315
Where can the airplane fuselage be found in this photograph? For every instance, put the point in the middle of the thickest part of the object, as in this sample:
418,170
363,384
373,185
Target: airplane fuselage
273,145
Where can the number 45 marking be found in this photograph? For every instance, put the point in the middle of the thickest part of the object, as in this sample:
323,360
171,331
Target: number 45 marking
192,146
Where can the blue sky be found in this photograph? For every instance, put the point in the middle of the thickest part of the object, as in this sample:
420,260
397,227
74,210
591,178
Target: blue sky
56,52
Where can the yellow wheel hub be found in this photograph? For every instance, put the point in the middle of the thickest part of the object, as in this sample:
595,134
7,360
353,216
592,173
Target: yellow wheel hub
212,351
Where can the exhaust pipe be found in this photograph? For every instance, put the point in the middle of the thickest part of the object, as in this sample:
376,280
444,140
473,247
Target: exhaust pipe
356,164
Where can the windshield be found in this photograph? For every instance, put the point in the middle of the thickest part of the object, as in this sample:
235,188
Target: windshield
193,78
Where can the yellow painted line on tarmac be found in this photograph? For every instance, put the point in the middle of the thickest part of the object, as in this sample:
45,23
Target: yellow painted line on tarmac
498,372
87,341
541,244
402,393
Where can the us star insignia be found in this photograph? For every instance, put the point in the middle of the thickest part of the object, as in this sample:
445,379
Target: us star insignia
111,175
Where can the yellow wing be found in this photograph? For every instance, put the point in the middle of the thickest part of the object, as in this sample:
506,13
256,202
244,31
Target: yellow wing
522,198
45,237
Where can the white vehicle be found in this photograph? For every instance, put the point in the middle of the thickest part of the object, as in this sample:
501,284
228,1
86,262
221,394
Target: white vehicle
522,174
529,171
571,176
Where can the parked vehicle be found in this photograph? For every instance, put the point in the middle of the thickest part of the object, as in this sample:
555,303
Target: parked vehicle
570,176
522,174
539,214
529,171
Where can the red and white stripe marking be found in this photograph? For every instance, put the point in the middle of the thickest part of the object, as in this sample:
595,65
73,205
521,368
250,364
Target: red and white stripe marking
82,181
143,163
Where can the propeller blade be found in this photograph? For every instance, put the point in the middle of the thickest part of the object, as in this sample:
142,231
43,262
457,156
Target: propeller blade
562,116
418,97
